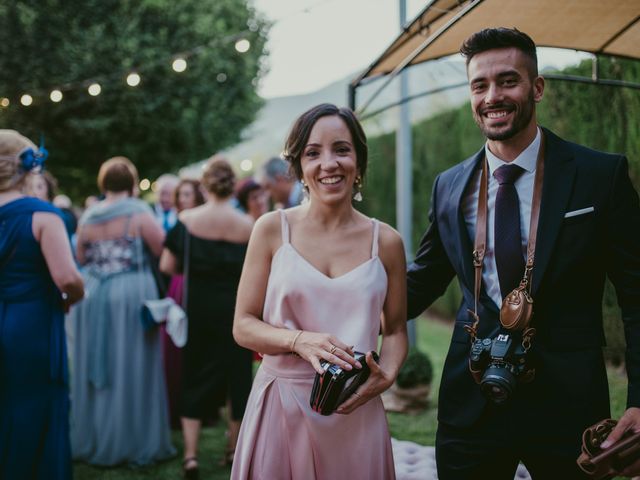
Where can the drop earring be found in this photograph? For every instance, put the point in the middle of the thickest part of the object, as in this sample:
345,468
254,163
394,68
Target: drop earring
357,187
305,193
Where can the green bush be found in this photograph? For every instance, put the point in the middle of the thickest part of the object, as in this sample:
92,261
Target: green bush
417,370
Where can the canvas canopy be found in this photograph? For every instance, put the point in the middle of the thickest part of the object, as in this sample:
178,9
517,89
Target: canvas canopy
610,27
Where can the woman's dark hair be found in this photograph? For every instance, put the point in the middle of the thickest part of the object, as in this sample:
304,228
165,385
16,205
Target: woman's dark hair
301,130
218,177
243,189
492,38
48,179
197,192
118,174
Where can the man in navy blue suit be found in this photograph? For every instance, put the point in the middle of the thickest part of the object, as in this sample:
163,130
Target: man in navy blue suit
589,219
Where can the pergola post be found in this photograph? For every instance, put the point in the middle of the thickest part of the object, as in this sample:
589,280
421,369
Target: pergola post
404,178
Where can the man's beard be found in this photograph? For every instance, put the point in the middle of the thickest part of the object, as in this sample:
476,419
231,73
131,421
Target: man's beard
520,122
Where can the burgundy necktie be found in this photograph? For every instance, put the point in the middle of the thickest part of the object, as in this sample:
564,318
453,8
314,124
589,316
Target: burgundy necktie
508,240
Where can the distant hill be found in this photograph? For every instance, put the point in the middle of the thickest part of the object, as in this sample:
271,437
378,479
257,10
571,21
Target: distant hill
265,137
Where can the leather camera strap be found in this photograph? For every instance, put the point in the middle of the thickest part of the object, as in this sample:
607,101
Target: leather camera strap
481,230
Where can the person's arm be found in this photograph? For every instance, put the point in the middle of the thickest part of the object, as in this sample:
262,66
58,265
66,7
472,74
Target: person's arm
624,271
394,324
168,262
251,332
431,271
152,234
80,257
173,252
49,231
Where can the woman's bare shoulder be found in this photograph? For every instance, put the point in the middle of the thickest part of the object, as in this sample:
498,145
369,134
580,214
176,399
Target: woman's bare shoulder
46,220
390,242
188,215
268,224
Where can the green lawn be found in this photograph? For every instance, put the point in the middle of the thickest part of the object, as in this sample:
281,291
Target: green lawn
433,338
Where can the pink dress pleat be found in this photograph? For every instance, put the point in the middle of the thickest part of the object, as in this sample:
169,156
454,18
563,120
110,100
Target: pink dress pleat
281,436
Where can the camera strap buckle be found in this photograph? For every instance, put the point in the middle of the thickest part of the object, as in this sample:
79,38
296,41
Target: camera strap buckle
527,336
472,330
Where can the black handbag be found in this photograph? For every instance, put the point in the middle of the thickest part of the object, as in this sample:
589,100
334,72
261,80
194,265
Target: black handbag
335,385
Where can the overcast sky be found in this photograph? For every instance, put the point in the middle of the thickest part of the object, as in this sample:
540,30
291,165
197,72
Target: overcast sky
315,42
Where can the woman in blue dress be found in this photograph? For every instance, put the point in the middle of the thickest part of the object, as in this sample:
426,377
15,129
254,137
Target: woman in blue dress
38,281
118,395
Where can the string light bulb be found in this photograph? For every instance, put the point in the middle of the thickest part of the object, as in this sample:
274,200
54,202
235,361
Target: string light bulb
145,184
243,45
94,89
26,99
179,65
133,79
55,96
4,102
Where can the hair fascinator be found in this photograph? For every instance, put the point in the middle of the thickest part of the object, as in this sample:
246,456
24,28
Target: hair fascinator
33,160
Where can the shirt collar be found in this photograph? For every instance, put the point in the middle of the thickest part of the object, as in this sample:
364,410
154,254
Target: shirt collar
527,158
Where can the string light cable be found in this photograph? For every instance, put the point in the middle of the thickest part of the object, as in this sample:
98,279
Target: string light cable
133,76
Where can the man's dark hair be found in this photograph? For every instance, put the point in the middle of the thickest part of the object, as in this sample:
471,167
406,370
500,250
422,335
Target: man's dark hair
492,38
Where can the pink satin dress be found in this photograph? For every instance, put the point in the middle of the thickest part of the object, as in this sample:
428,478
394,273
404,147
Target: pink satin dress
281,436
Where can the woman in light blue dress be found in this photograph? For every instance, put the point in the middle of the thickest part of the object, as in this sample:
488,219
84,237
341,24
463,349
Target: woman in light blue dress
119,408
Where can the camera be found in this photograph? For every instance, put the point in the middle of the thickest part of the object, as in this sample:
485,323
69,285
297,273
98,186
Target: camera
499,364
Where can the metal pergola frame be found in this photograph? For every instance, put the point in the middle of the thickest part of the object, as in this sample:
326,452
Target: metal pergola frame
364,77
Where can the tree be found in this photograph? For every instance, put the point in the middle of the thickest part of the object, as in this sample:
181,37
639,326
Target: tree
170,120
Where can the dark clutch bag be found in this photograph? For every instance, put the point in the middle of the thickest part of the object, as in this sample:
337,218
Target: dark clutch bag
335,385
602,464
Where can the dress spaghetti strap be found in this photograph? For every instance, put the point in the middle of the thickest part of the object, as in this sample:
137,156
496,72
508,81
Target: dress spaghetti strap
376,232
284,226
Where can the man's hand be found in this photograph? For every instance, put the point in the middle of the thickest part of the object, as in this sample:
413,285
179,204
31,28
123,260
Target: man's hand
630,421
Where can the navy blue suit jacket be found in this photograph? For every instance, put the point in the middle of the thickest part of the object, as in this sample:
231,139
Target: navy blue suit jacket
573,256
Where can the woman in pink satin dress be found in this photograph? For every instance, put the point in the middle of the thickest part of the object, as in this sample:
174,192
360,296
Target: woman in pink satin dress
320,281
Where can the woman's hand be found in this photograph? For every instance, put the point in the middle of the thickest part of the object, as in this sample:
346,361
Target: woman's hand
314,347
378,382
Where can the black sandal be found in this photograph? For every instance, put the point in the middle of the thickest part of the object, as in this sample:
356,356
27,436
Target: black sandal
190,473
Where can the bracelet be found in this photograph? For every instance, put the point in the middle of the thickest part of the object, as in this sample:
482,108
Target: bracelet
293,343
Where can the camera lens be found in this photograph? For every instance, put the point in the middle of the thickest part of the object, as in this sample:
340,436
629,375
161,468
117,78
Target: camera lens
498,383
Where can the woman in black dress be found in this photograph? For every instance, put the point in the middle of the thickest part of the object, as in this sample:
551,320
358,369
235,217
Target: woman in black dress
215,235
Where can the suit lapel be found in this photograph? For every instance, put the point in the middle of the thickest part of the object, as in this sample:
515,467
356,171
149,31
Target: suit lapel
464,243
559,173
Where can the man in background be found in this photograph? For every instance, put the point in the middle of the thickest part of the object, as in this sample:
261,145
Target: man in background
284,189
164,209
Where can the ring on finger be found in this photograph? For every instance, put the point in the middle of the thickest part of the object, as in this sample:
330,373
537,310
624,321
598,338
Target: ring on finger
333,349
357,394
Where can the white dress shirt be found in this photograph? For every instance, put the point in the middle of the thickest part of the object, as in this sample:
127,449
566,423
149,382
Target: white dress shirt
524,187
